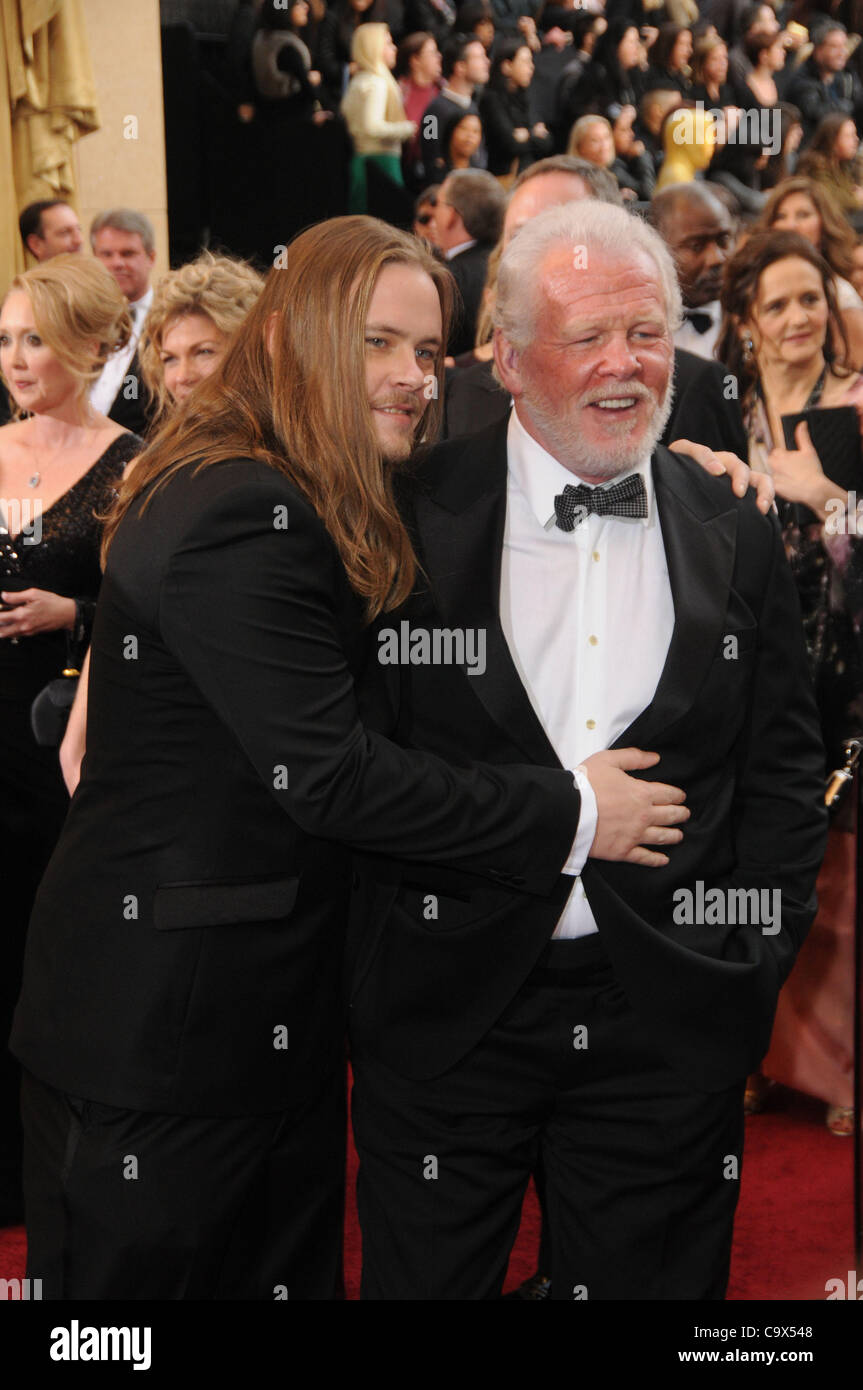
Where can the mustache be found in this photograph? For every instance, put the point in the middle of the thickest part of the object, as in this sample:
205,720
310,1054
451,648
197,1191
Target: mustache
625,388
402,402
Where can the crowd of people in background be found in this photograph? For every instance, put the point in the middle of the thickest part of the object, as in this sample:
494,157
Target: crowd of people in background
530,73
734,129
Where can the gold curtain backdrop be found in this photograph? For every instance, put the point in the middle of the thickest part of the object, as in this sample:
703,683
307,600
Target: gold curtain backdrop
47,102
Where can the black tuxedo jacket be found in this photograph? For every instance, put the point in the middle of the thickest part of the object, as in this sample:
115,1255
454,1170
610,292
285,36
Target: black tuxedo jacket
133,412
443,957
469,271
185,949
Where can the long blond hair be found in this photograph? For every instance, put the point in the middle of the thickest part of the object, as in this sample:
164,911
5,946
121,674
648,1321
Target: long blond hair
367,51
291,391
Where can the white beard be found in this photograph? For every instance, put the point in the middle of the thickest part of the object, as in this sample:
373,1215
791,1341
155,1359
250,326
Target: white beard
618,456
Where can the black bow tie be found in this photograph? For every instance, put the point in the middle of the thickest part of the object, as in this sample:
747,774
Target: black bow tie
702,323
628,498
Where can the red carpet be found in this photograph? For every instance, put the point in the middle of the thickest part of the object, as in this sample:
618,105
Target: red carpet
794,1224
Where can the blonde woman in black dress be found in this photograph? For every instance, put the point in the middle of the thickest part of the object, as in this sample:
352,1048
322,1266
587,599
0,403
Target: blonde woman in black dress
59,462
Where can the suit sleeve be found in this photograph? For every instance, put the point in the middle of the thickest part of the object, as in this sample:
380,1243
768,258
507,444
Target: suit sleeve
248,608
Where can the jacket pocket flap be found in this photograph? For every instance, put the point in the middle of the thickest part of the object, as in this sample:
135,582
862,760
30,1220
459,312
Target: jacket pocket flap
179,905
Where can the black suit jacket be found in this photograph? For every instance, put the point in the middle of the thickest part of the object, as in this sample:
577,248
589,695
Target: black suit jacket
185,949
741,736
468,270
700,411
133,406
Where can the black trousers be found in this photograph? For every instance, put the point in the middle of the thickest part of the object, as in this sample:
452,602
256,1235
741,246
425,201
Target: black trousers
124,1204
641,1170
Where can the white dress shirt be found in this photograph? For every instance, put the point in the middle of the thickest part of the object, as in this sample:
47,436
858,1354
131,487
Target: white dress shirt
702,344
588,617
109,381
457,250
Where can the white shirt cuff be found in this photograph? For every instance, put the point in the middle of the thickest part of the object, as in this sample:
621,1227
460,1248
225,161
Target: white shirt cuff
586,824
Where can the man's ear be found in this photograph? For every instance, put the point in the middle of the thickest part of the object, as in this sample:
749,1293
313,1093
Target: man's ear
507,362
270,330
34,236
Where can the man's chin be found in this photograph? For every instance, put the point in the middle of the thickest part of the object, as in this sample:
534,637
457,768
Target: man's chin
395,452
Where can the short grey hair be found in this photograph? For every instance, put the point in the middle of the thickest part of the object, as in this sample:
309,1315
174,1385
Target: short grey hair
125,220
586,226
600,183
479,201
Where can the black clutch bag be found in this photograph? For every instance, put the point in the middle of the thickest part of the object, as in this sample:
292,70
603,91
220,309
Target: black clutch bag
835,434
49,712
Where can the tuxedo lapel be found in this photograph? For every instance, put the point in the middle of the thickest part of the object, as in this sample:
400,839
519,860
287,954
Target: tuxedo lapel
700,547
460,526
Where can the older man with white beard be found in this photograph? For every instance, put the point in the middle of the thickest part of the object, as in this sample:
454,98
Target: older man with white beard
634,608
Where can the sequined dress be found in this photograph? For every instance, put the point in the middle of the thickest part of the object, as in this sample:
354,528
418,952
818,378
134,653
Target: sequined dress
812,1047
33,798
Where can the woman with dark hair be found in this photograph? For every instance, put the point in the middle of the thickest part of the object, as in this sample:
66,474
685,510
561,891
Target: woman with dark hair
832,158
476,17
767,54
741,156
805,206
614,77
513,141
783,338
462,137
418,70
669,59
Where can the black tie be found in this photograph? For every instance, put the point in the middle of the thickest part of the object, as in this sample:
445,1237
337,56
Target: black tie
628,498
702,323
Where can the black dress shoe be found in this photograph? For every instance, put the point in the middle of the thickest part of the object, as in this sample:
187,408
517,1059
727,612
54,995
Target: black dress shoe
533,1289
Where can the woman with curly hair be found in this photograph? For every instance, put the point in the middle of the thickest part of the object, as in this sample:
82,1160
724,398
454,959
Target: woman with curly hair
195,312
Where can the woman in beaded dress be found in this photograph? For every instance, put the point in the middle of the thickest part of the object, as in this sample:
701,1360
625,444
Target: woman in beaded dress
779,336
58,467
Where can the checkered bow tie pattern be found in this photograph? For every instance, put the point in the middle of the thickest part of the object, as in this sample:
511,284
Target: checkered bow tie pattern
628,498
